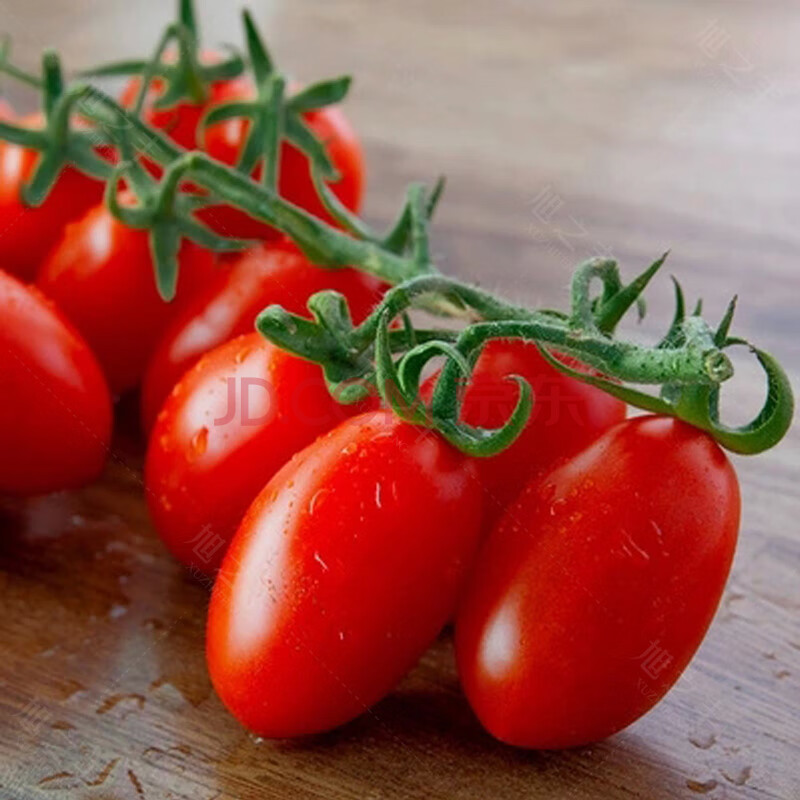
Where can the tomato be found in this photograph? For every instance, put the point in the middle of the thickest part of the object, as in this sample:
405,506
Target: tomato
224,141
273,273
343,571
180,121
596,588
55,408
101,275
567,415
27,234
230,423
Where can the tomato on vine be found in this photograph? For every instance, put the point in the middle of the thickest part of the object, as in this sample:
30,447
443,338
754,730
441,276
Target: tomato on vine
27,234
275,272
101,276
228,426
225,140
343,571
567,415
55,408
614,561
181,121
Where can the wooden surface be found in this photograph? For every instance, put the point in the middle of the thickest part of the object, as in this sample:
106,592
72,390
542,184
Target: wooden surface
566,129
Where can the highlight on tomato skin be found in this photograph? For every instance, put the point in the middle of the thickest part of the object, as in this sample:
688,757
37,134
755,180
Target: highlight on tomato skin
342,573
55,407
28,234
593,593
275,272
228,426
100,273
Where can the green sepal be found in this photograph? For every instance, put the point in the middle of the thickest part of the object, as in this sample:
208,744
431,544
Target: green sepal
612,309
319,95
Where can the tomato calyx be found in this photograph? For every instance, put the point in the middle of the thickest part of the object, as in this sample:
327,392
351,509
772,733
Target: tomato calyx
60,143
273,117
182,76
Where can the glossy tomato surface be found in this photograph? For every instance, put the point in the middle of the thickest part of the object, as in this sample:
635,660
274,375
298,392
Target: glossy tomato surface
55,408
596,588
343,571
224,141
227,427
27,234
275,272
101,275
567,415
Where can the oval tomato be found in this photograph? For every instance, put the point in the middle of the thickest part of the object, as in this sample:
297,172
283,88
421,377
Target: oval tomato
274,273
101,276
596,588
343,571
567,415
27,234
55,408
224,141
230,423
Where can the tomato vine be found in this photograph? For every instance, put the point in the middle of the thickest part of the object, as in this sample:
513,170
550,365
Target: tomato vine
688,365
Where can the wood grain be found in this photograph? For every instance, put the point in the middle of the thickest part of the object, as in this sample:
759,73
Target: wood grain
565,129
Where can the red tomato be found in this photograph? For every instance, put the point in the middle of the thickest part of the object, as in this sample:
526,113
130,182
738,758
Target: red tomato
27,234
231,422
343,571
55,409
274,273
180,121
593,593
567,415
224,142
101,276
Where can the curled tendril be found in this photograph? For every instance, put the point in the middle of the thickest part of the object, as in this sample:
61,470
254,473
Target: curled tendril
689,363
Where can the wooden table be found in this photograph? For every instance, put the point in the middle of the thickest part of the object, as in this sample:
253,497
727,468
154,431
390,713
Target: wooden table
566,129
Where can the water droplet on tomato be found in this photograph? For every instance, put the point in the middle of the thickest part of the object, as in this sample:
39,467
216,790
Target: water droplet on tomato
199,442
241,355
316,499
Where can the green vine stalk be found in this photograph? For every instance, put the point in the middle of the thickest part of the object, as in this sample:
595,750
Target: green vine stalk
688,366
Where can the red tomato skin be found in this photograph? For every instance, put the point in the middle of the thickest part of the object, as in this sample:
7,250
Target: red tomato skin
55,408
101,276
211,453
224,142
274,273
343,571
567,415
27,234
597,587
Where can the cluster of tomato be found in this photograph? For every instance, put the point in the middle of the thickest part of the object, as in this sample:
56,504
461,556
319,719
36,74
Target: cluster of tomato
342,539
